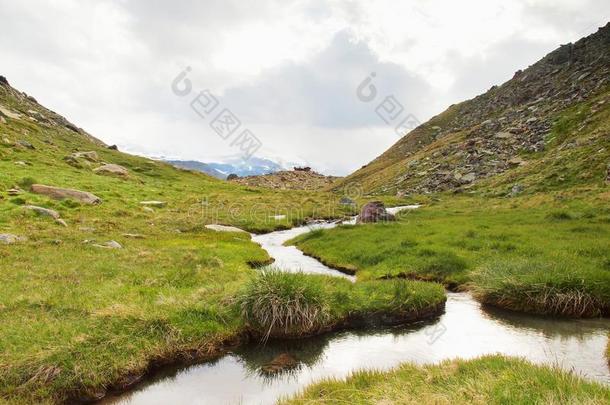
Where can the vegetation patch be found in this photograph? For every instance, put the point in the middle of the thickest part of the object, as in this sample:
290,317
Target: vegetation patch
279,304
486,380
543,256
543,288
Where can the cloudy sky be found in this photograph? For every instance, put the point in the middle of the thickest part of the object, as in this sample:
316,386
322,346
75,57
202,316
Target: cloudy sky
289,71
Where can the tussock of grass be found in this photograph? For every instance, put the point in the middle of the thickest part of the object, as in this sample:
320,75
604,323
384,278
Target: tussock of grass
543,288
486,380
279,304
284,304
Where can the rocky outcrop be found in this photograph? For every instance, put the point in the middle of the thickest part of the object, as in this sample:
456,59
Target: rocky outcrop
489,134
64,193
374,211
288,180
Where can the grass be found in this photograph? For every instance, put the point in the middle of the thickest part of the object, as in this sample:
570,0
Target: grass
486,380
280,304
544,254
541,287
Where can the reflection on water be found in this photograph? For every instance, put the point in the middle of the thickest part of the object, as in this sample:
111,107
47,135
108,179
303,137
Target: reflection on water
465,330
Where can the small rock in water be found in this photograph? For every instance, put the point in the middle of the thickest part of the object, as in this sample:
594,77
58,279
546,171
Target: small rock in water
9,238
280,363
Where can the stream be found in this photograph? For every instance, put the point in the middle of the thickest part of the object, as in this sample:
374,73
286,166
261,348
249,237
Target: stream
465,330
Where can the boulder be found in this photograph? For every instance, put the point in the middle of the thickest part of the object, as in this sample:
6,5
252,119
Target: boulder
63,193
112,169
14,192
9,238
374,211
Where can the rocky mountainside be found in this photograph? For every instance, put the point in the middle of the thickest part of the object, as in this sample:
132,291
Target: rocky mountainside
546,127
289,180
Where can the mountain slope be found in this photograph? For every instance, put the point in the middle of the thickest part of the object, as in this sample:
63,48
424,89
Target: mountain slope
557,109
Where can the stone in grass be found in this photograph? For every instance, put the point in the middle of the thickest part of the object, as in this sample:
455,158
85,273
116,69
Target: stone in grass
111,244
9,238
90,156
223,228
374,211
14,192
47,212
112,169
63,193
156,204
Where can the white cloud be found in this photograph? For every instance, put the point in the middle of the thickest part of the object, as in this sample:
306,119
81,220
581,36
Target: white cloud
287,68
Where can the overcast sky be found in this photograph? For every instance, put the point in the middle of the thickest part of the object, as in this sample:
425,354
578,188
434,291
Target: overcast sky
288,70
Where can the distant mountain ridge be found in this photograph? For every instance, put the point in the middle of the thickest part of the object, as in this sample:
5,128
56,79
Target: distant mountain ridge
251,167
546,128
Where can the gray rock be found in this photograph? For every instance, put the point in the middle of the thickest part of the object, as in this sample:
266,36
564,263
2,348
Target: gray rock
43,211
156,204
223,228
516,190
112,169
25,144
63,193
90,156
469,177
346,201
9,238
112,244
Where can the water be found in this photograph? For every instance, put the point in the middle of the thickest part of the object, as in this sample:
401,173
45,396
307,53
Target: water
289,258
465,330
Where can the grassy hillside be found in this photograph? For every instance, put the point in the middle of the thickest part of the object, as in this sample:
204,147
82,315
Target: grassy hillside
487,380
552,116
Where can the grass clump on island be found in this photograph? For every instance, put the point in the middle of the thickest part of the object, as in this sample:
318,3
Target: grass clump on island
543,254
486,380
280,304
542,287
